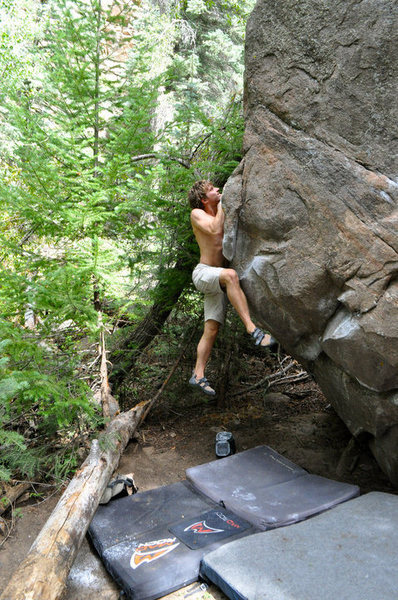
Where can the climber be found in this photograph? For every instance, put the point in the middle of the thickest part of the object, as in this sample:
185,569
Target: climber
214,279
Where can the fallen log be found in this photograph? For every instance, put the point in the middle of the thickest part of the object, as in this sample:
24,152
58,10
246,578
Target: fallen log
12,495
42,574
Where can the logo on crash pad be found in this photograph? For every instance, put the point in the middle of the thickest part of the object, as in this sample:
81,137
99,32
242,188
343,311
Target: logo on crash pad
151,551
202,527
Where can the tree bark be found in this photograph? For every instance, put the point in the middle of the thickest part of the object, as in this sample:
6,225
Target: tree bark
12,495
224,375
168,290
110,406
42,574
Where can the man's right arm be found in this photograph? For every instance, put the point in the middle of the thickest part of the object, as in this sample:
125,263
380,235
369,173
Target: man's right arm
207,223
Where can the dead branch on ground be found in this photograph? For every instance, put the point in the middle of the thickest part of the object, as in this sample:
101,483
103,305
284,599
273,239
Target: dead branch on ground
276,378
12,495
110,406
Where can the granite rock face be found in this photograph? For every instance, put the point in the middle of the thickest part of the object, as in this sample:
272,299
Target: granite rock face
312,211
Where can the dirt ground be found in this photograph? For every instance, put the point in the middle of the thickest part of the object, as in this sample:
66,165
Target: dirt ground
292,418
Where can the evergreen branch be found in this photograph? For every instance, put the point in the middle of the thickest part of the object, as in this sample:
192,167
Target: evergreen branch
40,181
79,88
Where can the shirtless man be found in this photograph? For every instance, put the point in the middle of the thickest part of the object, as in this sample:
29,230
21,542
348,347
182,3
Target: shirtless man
212,278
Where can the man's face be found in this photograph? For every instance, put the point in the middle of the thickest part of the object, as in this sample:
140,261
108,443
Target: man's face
213,195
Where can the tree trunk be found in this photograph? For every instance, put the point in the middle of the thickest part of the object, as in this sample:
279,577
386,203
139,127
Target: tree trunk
167,292
224,376
42,574
224,372
110,406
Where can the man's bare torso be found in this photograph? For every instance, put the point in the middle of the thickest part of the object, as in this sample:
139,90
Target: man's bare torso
208,227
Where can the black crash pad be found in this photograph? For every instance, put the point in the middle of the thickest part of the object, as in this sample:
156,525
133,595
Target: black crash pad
152,542
266,488
348,553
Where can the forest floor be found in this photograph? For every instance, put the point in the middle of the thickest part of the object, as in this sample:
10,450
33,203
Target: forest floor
294,418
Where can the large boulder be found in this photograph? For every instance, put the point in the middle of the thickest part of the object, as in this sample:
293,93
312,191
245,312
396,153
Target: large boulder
312,211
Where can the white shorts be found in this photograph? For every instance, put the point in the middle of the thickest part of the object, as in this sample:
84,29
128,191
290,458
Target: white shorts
206,279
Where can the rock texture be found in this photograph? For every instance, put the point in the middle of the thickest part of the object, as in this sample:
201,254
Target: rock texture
312,211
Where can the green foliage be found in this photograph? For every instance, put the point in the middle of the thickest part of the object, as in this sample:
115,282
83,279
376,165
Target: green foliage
38,387
78,127
109,114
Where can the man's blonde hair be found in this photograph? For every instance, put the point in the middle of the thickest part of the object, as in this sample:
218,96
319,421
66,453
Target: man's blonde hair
198,192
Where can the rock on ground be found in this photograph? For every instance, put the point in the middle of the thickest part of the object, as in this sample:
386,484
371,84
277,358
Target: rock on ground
311,212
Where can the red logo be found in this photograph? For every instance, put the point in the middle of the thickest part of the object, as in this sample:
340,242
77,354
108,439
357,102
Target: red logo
150,551
201,527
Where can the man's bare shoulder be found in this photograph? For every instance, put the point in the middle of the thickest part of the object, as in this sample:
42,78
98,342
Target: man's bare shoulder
199,215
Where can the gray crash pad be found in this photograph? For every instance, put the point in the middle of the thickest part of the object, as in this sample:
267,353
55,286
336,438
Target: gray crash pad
267,489
348,553
152,542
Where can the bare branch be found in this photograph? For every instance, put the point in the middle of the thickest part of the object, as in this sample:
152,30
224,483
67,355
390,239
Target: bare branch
184,162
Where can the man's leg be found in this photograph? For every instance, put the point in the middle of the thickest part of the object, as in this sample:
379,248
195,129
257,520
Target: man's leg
230,280
205,346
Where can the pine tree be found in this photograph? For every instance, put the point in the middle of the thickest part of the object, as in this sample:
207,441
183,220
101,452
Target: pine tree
77,125
106,126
